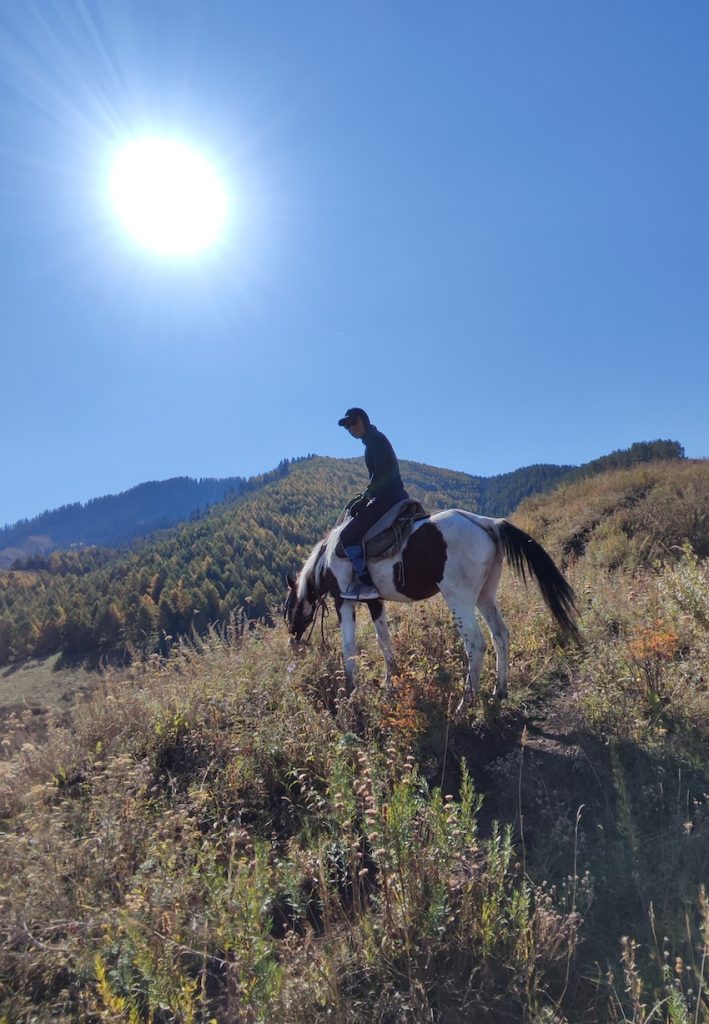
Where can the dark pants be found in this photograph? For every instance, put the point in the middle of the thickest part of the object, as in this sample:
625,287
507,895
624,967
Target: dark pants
374,510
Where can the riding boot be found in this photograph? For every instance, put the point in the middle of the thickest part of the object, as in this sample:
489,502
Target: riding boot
362,588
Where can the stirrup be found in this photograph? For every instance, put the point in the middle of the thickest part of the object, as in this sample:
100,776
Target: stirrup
359,591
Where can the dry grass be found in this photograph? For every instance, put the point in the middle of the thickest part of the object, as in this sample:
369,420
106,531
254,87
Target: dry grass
223,836
212,831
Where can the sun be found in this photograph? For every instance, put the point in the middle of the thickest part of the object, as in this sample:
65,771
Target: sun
168,196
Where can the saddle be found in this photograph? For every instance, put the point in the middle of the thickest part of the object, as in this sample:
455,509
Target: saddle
389,534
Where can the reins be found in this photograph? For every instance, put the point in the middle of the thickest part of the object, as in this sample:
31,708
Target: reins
320,606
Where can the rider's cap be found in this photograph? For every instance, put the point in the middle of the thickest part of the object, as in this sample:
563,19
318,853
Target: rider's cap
353,414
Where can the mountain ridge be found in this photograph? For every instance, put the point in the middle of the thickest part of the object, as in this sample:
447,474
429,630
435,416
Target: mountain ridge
115,520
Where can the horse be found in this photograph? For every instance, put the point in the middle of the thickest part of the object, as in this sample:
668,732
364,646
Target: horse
455,553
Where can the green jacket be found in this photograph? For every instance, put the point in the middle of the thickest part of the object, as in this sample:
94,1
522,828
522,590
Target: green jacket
383,466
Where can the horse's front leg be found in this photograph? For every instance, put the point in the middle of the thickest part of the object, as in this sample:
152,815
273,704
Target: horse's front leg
346,613
381,628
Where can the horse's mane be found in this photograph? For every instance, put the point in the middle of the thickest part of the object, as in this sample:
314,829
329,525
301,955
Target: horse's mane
316,563
311,572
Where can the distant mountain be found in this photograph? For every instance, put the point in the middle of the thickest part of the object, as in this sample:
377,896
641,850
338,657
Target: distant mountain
499,495
117,519
230,560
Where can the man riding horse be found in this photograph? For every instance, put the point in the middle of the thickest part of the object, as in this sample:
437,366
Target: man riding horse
455,553
384,490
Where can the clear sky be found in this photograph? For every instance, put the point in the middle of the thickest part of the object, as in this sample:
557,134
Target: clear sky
486,223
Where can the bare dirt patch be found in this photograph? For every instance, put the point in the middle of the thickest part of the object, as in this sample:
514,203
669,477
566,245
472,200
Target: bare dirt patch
541,770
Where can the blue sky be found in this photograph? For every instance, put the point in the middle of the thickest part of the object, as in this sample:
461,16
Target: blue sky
488,224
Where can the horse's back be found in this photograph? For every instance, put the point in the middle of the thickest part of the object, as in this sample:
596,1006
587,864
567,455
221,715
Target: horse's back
460,520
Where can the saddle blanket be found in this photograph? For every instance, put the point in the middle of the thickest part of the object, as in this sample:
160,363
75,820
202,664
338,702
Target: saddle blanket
389,534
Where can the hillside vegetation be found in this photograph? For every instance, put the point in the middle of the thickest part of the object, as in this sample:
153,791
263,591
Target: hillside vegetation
101,603
223,836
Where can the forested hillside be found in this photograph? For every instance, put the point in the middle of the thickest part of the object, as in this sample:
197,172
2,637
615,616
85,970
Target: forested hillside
500,495
234,559
117,519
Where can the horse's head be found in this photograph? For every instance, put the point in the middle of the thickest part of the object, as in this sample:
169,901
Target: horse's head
298,612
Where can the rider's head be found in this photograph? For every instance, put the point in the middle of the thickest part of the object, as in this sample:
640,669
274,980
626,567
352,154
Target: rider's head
356,421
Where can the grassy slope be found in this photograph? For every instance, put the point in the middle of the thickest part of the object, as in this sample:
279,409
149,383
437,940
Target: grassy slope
42,683
224,836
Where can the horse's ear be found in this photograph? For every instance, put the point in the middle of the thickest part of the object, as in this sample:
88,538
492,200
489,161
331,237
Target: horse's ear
290,580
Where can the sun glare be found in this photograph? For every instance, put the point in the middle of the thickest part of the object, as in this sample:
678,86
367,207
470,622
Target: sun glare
168,196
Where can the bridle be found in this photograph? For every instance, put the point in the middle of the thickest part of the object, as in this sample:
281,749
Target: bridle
319,606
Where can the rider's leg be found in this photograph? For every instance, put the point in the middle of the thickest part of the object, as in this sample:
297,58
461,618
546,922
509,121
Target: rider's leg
363,588
355,553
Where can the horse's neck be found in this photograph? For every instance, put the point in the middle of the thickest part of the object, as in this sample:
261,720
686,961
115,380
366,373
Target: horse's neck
316,573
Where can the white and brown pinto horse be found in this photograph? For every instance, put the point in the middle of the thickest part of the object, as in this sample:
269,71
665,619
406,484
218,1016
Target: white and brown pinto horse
455,553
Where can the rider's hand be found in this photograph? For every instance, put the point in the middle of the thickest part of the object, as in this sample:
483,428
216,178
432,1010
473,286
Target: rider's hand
358,505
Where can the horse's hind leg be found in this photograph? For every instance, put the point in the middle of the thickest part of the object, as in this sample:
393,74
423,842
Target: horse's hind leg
381,628
475,646
487,603
500,639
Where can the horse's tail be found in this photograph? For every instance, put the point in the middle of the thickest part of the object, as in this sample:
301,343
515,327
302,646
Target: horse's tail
525,555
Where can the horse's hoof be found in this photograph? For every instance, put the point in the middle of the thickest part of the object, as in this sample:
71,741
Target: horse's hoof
464,703
500,694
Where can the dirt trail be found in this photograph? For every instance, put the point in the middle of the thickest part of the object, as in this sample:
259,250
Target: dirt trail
536,769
